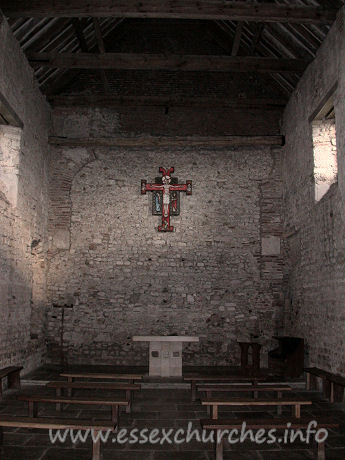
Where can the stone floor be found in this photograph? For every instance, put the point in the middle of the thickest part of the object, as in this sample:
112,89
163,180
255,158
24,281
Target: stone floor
169,408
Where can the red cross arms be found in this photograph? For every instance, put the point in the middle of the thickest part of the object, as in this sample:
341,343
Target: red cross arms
166,196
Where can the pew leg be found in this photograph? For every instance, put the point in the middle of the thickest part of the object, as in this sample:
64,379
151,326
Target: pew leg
13,380
214,413
297,411
331,395
193,388
58,395
219,448
129,398
279,408
96,448
115,414
32,409
320,453
70,390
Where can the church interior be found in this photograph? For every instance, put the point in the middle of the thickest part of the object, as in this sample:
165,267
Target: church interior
172,220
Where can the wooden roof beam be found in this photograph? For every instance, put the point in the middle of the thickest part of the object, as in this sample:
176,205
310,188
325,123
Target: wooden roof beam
197,9
97,100
185,63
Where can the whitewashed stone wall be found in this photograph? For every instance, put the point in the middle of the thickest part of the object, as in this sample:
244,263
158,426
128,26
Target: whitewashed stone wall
116,276
23,210
315,297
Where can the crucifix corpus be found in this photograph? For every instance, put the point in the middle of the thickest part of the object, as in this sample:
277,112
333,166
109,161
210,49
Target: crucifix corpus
166,196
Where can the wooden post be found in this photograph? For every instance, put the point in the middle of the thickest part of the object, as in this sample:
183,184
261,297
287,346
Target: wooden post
321,451
13,380
115,414
96,447
331,394
219,447
193,388
307,382
32,409
256,347
70,390
58,395
214,415
279,408
129,398
298,411
244,354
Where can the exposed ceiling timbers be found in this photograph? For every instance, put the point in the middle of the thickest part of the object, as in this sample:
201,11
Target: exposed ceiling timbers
259,28
200,9
78,25
68,37
101,49
168,101
166,141
248,37
186,63
237,39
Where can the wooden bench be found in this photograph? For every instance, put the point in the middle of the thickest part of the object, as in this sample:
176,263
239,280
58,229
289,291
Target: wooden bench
219,378
60,424
127,387
255,389
215,403
13,377
332,385
72,376
33,401
266,424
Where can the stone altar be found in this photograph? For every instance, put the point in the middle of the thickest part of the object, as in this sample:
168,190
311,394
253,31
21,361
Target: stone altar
165,354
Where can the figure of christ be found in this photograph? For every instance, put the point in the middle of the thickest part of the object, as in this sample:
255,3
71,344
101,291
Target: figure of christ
166,187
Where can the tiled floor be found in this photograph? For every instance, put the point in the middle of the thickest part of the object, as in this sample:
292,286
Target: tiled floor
158,408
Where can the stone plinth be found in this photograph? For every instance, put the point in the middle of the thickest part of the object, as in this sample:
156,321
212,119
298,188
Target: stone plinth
165,354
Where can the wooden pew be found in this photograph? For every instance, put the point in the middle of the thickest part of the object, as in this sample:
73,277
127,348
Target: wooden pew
13,377
33,401
59,424
267,424
214,403
72,376
194,379
255,389
332,385
127,387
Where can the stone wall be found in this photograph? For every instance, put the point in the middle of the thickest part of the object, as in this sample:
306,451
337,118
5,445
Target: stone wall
23,210
315,230
112,275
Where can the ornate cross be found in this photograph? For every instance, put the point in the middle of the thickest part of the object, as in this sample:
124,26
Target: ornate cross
165,198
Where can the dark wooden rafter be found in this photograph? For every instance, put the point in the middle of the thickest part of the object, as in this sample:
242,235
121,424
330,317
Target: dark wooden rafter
160,101
101,49
162,62
64,77
78,25
257,37
237,39
165,141
200,9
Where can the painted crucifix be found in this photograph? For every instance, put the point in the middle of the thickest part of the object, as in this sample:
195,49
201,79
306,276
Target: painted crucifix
166,197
